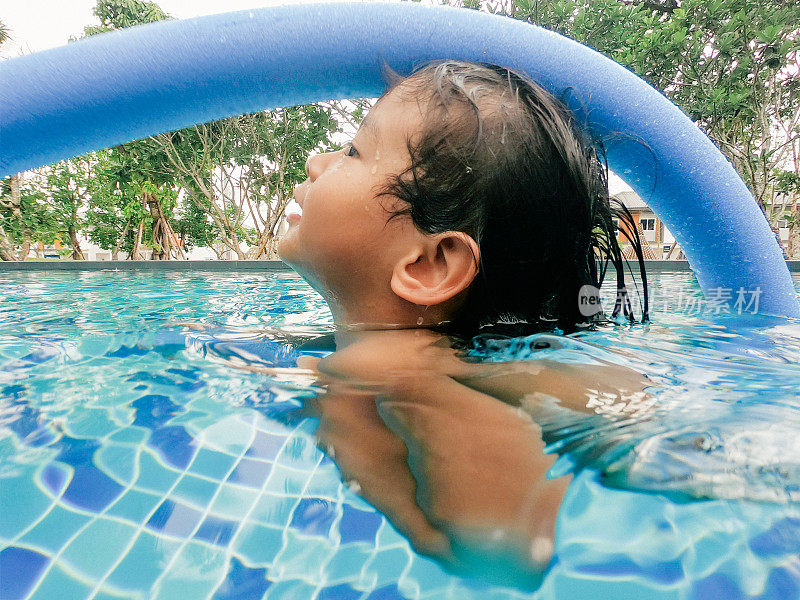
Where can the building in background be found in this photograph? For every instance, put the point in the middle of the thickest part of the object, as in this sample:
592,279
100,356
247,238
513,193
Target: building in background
651,229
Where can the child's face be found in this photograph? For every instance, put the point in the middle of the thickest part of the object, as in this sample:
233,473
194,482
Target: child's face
344,243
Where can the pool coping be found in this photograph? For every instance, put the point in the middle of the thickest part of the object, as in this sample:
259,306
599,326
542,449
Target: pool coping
241,265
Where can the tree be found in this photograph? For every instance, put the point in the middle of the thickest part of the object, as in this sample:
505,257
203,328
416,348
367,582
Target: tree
241,171
732,65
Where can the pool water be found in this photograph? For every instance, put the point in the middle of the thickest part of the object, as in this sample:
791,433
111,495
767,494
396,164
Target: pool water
136,463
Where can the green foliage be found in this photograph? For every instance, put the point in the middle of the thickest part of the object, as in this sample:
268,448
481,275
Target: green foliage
118,14
730,64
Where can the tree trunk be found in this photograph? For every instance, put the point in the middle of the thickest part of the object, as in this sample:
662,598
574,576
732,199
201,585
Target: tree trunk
793,246
77,253
6,247
115,251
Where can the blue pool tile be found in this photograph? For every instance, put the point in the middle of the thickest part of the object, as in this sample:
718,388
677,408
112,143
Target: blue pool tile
175,445
118,461
242,583
21,418
125,351
291,589
216,530
154,476
259,544
388,565
154,410
26,565
55,528
99,546
266,445
782,538
134,506
274,510
339,592
195,490
174,519
54,477
57,584
252,473
783,582
143,563
314,516
212,464
716,587
347,563
667,572
89,488
358,525
389,592
285,481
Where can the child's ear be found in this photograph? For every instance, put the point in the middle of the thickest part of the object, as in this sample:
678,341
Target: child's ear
439,267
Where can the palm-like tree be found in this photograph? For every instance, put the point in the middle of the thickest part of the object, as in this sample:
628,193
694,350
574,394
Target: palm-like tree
3,33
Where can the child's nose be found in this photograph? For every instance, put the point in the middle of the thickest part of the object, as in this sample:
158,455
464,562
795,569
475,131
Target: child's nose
316,165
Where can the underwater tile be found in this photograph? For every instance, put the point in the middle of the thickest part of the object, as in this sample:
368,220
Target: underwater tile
154,476
780,539
206,566
129,435
325,481
314,516
117,461
302,557
274,509
347,563
229,435
242,583
134,506
174,519
300,451
783,582
61,585
216,530
426,573
26,565
252,473
716,586
21,501
259,544
234,502
195,490
58,526
174,444
89,487
212,464
266,445
621,566
388,565
143,563
388,592
153,410
358,525
287,481
98,547
339,592
292,589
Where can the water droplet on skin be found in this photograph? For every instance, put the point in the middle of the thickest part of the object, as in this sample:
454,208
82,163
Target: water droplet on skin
377,154
374,169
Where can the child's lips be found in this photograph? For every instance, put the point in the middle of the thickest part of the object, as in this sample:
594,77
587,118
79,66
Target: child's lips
294,211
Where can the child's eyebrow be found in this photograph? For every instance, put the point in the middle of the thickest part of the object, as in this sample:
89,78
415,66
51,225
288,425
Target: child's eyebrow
369,128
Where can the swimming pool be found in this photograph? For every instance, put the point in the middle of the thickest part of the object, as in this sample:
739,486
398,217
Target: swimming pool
135,466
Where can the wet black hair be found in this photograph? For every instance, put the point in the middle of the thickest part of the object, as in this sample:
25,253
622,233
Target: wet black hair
502,160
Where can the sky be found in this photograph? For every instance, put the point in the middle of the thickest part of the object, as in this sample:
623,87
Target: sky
40,24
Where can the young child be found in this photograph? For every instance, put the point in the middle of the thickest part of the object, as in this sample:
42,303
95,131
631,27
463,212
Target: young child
468,202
